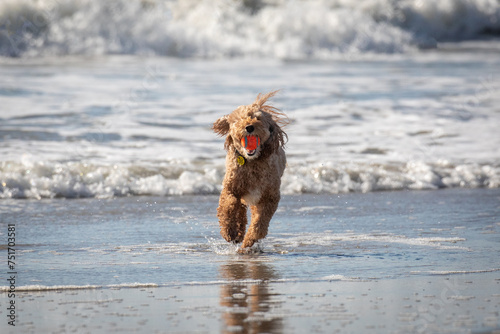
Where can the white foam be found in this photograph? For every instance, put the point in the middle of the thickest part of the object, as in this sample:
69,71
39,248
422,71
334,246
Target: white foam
330,239
453,272
35,288
221,247
76,180
283,29
135,285
416,175
339,278
39,288
163,248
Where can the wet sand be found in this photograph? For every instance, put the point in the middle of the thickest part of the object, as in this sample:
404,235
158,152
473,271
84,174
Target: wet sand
452,303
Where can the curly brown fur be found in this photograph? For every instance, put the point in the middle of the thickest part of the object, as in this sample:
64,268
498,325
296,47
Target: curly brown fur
257,182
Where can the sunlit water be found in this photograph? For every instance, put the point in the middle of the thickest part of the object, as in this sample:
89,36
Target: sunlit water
163,241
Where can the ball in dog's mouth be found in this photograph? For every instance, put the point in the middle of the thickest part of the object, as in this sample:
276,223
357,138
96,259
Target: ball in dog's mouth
250,143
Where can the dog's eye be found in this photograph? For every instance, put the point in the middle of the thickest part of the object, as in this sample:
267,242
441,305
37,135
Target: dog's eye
271,129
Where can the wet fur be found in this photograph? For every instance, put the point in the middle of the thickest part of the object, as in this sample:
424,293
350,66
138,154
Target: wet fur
257,183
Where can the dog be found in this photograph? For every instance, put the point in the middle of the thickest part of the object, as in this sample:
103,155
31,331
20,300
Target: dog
255,162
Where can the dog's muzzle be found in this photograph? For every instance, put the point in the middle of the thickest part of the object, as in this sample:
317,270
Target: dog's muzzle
250,143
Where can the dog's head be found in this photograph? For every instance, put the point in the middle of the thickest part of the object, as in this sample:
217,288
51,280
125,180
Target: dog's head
253,130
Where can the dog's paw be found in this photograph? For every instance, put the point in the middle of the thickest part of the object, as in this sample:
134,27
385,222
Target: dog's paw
247,243
239,238
250,250
244,251
230,236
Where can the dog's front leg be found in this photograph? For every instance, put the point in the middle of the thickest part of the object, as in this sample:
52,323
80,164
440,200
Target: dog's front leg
261,216
232,214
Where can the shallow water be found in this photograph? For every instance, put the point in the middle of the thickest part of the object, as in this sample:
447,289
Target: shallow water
165,241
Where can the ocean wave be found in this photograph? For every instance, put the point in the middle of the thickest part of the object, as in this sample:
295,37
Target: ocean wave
80,180
138,285
455,272
44,288
223,28
413,175
327,239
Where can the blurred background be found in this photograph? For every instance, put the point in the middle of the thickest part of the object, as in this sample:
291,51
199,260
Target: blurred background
301,29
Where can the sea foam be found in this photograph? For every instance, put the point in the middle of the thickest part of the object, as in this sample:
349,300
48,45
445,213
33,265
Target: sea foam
77,180
215,29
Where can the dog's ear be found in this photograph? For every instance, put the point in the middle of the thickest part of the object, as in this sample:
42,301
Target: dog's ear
221,126
278,137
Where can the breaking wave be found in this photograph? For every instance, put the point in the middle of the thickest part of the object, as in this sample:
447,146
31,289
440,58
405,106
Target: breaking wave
224,28
77,180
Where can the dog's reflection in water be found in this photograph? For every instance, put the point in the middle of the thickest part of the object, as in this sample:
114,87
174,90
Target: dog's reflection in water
248,299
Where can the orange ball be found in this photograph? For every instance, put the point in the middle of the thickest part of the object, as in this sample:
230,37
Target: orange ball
250,142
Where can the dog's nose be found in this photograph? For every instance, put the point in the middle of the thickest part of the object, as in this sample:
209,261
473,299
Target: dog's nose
250,128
